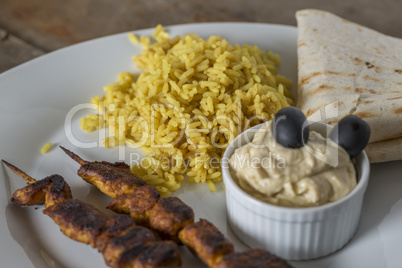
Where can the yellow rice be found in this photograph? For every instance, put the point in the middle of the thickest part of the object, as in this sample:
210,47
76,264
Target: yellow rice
46,148
193,97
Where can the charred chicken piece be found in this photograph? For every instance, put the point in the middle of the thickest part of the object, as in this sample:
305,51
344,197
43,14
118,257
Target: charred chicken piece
138,203
78,220
47,191
134,237
169,216
206,241
112,179
155,254
253,258
114,226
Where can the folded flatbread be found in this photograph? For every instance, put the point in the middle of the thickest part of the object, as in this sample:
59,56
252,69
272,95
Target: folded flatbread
346,68
384,151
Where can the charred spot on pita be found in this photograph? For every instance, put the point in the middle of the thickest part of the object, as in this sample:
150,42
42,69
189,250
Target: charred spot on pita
357,60
365,114
398,110
369,65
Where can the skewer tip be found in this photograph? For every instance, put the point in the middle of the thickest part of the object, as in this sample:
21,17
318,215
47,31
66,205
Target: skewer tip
75,157
19,172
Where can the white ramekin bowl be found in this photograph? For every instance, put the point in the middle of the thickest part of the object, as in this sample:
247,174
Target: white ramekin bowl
293,233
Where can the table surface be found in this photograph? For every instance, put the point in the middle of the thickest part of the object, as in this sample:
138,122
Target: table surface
30,28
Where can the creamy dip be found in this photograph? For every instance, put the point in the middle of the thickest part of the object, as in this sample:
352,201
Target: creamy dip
315,174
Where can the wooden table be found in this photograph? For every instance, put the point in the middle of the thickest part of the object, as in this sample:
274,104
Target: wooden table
29,28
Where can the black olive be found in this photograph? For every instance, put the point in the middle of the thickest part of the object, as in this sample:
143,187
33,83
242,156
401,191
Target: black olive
352,133
289,127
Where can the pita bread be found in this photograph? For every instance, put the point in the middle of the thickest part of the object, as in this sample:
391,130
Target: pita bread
384,151
345,68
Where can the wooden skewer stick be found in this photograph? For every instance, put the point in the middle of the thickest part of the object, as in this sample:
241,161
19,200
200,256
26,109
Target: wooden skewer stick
20,173
75,157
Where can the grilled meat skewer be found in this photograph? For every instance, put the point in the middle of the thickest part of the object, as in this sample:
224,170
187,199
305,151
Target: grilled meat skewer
122,243
170,217
167,216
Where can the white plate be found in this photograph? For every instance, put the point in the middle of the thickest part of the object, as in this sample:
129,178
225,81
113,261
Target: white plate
37,97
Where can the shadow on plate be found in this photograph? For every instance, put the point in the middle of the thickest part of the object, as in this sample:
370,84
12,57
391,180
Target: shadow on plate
383,192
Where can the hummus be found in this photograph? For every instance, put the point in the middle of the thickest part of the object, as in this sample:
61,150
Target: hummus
317,173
